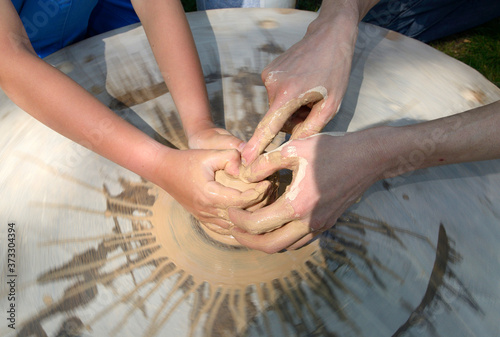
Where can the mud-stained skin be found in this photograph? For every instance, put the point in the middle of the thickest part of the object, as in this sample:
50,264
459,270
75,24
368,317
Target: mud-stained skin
280,116
224,235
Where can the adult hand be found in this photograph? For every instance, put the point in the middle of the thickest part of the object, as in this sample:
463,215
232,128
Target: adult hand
215,139
329,174
192,183
306,84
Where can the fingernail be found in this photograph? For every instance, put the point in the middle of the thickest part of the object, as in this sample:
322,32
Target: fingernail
237,230
241,146
253,194
263,186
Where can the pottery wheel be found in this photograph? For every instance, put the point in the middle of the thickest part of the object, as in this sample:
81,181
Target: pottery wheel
101,252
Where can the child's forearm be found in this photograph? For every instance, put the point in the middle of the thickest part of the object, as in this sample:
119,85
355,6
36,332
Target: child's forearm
173,46
60,103
64,106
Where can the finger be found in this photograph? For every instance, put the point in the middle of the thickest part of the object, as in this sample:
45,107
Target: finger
224,141
270,194
274,241
319,116
297,118
271,78
220,196
314,233
228,160
213,216
302,242
265,165
273,122
268,198
264,187
265,219
250,199
217,225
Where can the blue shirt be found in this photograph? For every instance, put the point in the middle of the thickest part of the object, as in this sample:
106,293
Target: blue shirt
54,24
111,14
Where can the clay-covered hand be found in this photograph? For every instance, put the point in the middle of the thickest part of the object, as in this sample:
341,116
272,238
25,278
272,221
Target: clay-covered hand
189,177
215,139
329,174
306,84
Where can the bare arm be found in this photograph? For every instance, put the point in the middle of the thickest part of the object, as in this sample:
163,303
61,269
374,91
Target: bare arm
465,137
173,46
60,103
350,164
170,39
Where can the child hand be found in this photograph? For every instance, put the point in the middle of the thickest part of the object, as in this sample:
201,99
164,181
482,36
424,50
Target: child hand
189,177
215,139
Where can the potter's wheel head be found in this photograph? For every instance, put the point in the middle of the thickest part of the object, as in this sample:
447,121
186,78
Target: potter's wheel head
101,252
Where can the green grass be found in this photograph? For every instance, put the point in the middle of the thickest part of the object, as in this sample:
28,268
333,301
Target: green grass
189,5
478,47
308,5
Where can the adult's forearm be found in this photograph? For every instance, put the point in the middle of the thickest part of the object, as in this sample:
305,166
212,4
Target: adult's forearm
469,136
356,9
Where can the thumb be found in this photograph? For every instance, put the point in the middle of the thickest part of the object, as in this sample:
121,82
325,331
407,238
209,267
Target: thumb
321,113
265,165
273,122
228,160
